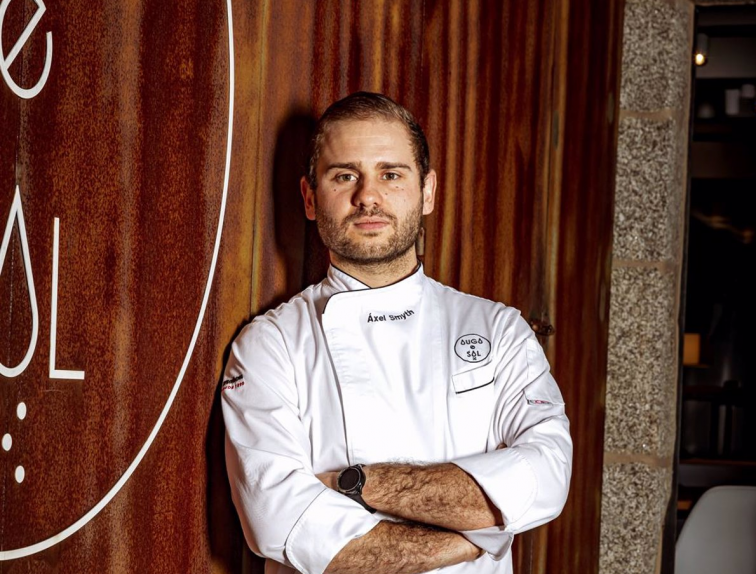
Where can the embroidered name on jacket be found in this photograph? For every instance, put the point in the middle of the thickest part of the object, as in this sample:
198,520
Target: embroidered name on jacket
385,317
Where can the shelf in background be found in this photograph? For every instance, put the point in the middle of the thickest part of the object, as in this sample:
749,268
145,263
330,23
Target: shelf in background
717,462
734,395
726,129
708,472
723,159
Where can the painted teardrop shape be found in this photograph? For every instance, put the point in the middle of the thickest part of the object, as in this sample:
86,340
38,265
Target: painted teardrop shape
17,215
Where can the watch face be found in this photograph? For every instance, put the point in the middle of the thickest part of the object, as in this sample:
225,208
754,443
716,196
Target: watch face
349,479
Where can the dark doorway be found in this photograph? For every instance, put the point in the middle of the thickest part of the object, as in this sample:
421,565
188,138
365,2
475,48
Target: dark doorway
718,399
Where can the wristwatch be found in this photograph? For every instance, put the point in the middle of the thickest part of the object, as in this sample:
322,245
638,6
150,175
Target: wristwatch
350,483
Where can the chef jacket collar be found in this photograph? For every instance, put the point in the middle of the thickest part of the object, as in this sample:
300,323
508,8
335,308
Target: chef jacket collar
341,281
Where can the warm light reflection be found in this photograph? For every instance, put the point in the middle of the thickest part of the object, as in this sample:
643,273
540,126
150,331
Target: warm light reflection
700,59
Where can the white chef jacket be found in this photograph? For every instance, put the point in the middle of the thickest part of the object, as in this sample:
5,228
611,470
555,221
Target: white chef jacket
413,372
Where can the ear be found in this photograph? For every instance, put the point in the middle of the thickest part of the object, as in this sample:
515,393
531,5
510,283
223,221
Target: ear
308,195
429,192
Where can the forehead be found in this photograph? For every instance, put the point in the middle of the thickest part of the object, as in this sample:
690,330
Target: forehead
366,141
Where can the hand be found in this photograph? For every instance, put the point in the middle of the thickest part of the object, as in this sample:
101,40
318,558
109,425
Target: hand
329,479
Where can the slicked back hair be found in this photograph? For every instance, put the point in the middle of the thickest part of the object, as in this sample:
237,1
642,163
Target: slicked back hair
361,106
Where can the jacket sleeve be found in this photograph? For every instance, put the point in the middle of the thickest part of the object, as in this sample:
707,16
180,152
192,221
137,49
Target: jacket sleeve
283,507
526,473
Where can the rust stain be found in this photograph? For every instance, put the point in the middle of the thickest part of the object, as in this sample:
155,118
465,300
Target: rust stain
126,146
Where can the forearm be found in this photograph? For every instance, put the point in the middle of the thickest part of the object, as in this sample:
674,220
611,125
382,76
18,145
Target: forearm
402,548
441,494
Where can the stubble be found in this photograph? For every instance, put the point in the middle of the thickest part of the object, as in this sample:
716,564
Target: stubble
369,250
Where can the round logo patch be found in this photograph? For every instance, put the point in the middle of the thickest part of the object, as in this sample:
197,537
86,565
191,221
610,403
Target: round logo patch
472,348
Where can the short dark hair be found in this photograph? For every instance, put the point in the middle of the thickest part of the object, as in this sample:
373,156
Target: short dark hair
367,106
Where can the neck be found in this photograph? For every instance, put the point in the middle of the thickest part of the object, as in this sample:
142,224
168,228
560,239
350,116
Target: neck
381,273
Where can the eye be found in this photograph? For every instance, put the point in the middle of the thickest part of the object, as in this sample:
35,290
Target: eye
391,176
345,178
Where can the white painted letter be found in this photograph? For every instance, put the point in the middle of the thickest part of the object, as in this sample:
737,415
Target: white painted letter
5,62
57,373
17,214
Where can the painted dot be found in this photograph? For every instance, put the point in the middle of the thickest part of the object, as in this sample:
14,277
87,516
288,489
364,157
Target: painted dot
7,442
20,474
21,411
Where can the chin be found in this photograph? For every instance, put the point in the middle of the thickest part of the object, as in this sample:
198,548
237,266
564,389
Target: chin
374,254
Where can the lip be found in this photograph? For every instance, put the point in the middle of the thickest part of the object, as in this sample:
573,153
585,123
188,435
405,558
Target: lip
371,224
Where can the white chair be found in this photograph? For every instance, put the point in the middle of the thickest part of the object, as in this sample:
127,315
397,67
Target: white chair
719,536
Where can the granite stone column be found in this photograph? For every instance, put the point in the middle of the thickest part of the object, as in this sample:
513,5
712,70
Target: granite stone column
641,395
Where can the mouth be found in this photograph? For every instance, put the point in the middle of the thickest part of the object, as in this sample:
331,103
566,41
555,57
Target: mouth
370,223
376,221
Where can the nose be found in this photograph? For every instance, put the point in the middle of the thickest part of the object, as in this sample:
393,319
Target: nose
367,194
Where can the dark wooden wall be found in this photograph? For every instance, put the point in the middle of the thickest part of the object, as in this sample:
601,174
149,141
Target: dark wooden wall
126,144
580,228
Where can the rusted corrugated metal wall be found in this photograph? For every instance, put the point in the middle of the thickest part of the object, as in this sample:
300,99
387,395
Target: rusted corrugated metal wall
126,145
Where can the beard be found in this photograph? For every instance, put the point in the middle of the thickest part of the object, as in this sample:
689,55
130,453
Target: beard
363,250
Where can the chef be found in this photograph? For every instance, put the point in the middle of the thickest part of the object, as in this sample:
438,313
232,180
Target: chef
380,421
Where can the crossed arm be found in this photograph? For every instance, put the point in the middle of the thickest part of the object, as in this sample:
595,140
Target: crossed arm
437,500
402,548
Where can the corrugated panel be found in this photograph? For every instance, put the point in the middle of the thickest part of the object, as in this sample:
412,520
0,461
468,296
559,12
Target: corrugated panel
126,146
581,254
488,76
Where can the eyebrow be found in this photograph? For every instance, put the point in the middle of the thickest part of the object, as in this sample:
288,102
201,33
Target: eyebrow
348,165
358,165
390,165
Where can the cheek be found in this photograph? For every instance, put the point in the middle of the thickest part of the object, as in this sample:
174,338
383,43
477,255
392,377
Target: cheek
407,196
399,194
331,202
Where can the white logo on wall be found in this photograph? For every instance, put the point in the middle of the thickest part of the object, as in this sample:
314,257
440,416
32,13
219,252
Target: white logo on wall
7,60
17,211
16,216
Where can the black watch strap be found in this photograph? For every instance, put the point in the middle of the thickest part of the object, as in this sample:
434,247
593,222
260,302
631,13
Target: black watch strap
358,498
350,482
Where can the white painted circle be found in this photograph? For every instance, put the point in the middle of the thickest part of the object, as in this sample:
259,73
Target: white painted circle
21,411
76,526
20,474
7,442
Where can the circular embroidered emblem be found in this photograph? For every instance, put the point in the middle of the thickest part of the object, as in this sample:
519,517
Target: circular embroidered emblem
472,348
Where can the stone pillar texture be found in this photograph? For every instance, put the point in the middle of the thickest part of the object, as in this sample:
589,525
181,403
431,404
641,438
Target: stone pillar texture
641,397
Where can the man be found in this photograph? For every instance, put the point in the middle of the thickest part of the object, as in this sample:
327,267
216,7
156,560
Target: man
380,421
